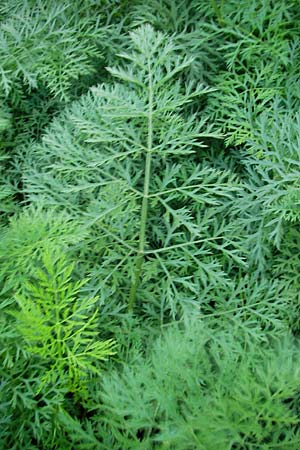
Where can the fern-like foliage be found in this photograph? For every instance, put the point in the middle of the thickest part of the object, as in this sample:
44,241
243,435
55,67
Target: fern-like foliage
124,161
51,353
286,268
47,50
188,22
125,171
59,327
270,207
182,395
259,48
8,191
257,106
28,235
277,147
45,42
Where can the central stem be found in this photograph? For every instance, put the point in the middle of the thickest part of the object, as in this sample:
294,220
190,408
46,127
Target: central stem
218,11
145,201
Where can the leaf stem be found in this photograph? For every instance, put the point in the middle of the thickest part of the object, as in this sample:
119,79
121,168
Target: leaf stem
217,11
145,201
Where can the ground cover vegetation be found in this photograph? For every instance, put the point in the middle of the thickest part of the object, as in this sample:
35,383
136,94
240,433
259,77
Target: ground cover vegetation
149,227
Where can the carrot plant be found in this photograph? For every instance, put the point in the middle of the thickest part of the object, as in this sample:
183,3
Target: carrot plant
149,227
138,181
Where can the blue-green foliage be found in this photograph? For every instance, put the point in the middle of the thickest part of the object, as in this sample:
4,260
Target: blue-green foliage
93,162
48,43
205,389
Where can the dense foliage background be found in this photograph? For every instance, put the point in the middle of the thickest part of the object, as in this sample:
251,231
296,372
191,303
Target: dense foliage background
150,208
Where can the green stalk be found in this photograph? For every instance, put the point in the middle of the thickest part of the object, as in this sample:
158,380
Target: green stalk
145,201
217,11
57,328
